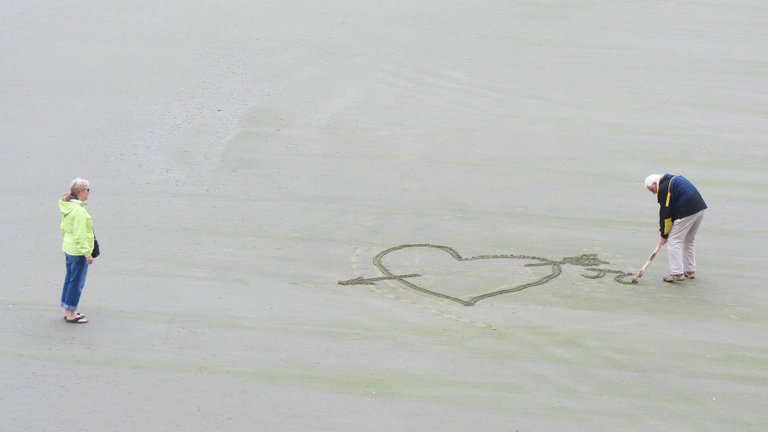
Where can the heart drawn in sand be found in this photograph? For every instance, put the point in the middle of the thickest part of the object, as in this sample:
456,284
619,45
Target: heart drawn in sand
412,281
460,284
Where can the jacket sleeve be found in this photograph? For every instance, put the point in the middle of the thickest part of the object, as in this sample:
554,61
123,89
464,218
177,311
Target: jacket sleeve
665,210
82,238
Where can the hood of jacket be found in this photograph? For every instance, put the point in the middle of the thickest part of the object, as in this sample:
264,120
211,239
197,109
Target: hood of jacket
66,207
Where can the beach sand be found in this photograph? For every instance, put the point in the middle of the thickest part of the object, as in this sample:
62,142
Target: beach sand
245,157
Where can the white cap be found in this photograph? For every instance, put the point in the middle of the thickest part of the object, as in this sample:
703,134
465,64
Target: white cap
652,180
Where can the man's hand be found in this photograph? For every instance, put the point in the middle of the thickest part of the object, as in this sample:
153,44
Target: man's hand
662,241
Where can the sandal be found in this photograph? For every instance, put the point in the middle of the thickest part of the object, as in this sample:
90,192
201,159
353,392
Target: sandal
79,319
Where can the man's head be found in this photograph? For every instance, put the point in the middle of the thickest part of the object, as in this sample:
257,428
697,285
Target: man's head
652,183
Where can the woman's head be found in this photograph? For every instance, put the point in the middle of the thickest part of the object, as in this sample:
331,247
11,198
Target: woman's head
79,190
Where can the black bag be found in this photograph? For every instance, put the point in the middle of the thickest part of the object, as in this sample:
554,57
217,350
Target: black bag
95,252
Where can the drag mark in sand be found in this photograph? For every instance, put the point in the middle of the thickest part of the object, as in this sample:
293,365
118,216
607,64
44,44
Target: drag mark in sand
585,260
370,281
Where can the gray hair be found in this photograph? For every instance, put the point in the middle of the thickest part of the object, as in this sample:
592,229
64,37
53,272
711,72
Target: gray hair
652,179
78,185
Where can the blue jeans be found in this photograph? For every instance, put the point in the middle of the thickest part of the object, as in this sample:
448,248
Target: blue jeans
74,281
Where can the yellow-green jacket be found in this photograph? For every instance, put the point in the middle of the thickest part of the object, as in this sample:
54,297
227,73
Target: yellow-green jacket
77,228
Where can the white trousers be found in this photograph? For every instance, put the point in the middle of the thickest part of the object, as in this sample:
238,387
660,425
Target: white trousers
681,244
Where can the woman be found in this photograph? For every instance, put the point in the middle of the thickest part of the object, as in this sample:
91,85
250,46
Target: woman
77,228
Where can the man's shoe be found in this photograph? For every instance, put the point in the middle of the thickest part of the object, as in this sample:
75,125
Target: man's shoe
674,278
689,275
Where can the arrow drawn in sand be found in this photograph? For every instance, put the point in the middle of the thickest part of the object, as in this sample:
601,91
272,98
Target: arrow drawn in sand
370,281
583,260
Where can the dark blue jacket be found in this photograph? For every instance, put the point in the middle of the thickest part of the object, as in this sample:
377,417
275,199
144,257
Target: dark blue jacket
678,198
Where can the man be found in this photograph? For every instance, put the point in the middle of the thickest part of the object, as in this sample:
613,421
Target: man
681,209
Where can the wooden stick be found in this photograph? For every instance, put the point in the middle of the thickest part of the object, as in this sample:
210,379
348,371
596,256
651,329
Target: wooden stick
647,263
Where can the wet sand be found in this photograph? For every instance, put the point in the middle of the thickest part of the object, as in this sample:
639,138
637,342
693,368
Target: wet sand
245,158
